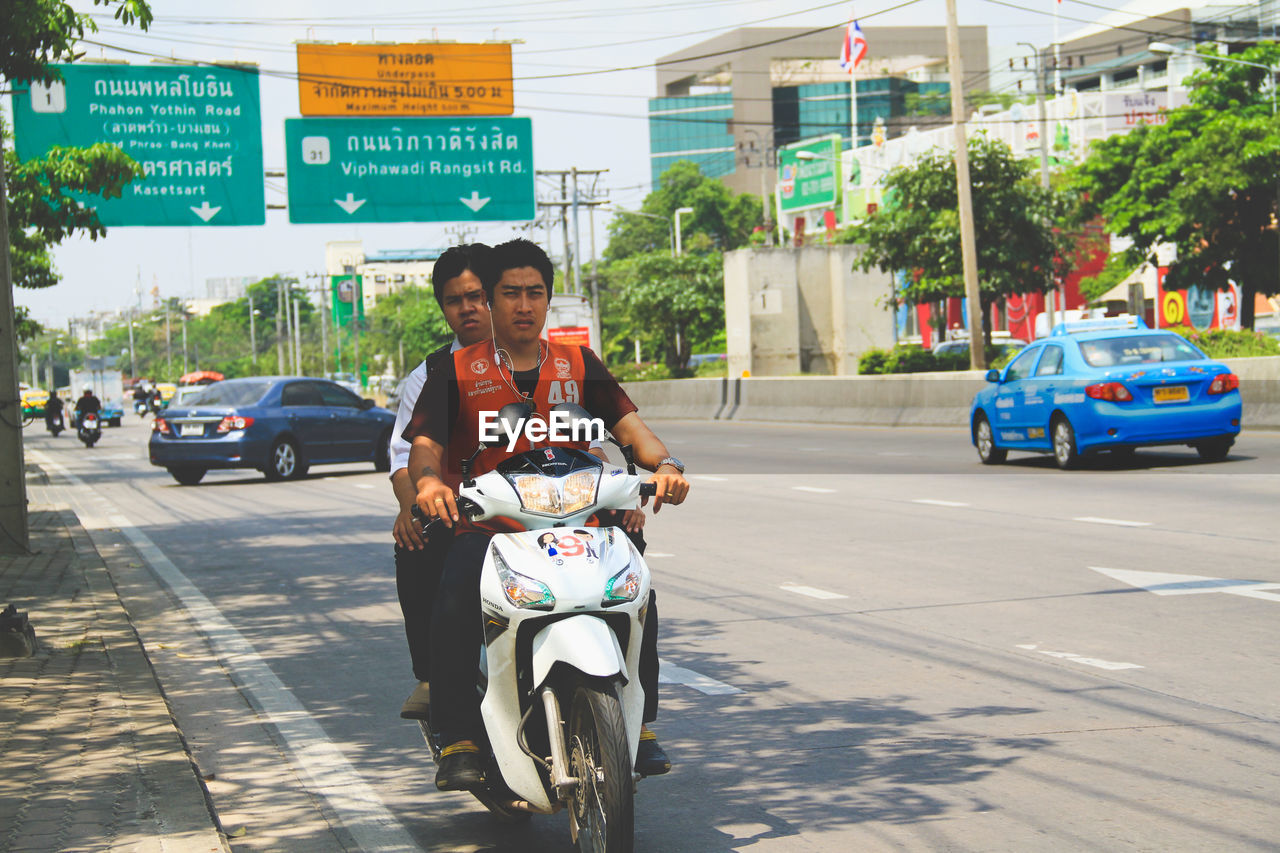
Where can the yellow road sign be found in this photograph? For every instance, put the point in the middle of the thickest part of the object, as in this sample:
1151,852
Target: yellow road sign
426,79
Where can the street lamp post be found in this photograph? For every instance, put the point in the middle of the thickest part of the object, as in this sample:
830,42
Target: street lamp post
670,225
680,210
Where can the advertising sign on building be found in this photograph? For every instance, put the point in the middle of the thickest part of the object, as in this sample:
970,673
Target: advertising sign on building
346,291
404,79
809,183
1198,307
1123,111
195,131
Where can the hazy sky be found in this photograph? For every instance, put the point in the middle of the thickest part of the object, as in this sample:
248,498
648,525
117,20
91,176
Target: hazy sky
595,121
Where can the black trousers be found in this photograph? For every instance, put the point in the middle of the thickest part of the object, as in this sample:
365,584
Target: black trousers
417,577
456,636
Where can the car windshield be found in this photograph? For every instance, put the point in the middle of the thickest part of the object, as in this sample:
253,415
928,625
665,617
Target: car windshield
229,394
1138,349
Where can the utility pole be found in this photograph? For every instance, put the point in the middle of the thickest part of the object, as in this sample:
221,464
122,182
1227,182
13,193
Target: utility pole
324,326
279,329
168,345
184,340
253,336
14,538
1042,110
569,204
968,241
297,337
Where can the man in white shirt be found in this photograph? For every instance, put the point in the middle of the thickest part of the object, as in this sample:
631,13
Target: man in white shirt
419,562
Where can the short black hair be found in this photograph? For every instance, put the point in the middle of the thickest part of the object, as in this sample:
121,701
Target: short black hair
514,254
457,260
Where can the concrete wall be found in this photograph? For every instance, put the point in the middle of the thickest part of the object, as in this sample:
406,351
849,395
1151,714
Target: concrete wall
791,310
918,399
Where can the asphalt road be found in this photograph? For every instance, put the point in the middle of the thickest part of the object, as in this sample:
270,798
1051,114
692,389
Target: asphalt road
880,644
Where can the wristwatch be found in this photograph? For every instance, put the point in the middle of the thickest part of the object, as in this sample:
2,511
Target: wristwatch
673,462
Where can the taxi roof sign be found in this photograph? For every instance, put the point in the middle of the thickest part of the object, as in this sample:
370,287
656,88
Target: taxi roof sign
420,79
1101,324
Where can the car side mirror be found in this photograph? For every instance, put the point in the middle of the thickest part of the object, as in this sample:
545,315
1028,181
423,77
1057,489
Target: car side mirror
366,404
993,375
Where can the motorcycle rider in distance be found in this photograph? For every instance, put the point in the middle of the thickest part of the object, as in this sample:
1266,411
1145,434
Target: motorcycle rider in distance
53,414
87,404
519,367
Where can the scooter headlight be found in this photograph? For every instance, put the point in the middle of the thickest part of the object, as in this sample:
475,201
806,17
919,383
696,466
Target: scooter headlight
520,590
556,496
622,587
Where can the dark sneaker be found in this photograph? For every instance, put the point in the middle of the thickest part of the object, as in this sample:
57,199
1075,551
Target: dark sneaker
460,768
417,706
650,758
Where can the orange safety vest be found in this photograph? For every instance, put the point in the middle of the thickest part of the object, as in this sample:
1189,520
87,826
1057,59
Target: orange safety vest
484,386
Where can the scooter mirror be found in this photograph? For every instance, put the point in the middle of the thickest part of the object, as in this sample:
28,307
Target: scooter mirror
511,418
578,416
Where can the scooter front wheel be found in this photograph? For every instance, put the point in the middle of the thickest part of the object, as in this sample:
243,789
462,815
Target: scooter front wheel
600,758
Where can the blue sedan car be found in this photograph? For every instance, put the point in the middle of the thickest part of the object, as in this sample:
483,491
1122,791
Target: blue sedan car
1110,385
278,425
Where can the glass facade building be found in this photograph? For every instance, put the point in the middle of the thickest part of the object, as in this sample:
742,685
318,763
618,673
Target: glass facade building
700,127
692,127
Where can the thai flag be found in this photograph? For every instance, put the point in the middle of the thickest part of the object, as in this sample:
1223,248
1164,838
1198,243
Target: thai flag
854,47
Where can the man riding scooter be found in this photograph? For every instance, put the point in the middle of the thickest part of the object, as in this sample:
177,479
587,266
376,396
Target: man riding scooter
87,404
53,414
516,366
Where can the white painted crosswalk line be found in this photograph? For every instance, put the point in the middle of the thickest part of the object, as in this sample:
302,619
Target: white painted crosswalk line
669,673
1115,522
812,592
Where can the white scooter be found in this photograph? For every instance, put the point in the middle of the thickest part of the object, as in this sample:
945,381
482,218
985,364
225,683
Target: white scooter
563,608
89,430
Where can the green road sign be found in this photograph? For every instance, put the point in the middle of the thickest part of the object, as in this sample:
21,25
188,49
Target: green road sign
196,132
409,169
804,184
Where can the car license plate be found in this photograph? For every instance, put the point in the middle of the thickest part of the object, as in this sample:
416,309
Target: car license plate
191,430
1171,394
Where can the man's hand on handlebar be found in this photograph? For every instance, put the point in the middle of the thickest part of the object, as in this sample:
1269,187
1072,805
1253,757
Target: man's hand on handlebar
408,532
436,501
670,487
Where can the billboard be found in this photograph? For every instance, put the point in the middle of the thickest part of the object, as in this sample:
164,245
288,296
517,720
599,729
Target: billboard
1198,307
424,79
804,184
346,292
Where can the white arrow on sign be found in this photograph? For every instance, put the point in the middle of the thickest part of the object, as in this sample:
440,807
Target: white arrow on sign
1167,583
205,212
475,202
350,204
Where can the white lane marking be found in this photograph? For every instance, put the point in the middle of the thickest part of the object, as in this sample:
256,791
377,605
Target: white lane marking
357,805
933,502
669,673
739,445
812,592
894,453
707,477
815,490
1116,522
364,485
1168,583
648,554
1087,661
811,449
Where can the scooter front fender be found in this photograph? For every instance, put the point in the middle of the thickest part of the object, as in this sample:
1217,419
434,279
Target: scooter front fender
583,642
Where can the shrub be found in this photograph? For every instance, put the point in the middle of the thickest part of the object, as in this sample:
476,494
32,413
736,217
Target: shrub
1225,343
913,358
717,368
643,372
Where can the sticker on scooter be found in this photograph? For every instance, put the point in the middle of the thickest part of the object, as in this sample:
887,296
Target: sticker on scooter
567,546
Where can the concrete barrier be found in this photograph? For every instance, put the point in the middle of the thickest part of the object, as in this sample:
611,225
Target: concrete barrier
913,399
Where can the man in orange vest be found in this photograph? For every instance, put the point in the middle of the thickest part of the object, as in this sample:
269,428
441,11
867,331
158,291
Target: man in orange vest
516,366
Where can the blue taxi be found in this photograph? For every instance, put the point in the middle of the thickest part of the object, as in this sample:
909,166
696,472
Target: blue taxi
1106,385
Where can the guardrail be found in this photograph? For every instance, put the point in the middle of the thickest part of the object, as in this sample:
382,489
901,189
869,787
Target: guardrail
911,399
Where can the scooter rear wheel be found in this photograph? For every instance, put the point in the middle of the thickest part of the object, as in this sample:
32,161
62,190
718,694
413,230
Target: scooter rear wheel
599,756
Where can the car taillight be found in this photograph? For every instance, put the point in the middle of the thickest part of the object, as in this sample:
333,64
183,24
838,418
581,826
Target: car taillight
161,426
1113,391
231,422
1224,382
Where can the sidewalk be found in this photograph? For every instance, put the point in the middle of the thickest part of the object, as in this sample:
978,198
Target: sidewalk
92,759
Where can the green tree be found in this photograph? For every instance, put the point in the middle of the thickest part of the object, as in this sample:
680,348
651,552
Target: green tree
407,321
1019,248
671,303
726,217
1205,181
